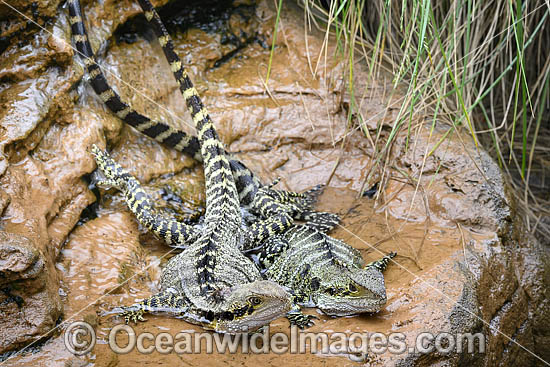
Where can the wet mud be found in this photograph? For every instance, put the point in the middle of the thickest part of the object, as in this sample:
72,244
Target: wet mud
463,261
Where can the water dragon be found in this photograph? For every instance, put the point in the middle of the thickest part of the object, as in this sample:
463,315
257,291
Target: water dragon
211,282
324,272
335,280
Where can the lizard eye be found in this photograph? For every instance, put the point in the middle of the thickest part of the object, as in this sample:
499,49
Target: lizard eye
255,300
353,288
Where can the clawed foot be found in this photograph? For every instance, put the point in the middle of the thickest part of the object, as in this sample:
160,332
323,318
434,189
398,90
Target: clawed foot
133,315
304,202
301,320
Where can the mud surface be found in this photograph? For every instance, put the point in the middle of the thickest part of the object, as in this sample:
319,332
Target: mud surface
463,263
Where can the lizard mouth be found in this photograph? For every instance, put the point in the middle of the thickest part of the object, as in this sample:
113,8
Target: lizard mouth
274,312
261,317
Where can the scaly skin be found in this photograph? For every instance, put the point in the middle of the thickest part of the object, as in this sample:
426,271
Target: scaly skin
211,282
249,185
276,207
297,206
357,290
273,205
316,266
324,272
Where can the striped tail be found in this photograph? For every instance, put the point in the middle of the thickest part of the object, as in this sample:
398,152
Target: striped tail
157,130
220,186
247,183
172,232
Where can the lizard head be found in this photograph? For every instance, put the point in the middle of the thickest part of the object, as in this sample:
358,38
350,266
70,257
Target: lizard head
349,291
248,307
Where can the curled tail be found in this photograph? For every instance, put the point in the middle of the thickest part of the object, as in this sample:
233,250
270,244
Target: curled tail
157,130
221,190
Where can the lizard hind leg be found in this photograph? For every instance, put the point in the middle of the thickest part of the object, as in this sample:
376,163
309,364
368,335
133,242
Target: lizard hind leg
161,302
273,203
301,206
306,200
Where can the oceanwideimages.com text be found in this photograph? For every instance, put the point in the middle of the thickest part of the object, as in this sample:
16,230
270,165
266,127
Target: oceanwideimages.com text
80,339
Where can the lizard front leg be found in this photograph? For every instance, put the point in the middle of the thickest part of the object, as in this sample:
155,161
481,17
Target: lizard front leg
160,302
174,233
296,317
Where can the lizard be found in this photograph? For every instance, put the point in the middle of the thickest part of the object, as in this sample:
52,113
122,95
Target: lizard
211,283
371,287
253,193
318,268
204,288
211,280
298,206
324,272
321,271
327,272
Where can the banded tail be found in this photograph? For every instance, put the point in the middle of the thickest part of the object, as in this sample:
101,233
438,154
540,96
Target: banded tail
157,130
220,185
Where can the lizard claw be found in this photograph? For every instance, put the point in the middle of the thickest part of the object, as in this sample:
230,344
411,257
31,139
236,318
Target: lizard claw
133,315
301,320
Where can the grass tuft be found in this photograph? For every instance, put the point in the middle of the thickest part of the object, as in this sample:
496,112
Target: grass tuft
480,66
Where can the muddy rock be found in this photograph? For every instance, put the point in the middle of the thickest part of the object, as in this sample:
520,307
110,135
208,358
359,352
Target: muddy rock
20,19
464,264
43,158
18,258
26,289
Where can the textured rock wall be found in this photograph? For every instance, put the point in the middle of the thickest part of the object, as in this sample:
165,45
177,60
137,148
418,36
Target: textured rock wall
43,158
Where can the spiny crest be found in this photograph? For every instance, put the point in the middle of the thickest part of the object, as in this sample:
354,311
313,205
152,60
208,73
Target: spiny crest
205,263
